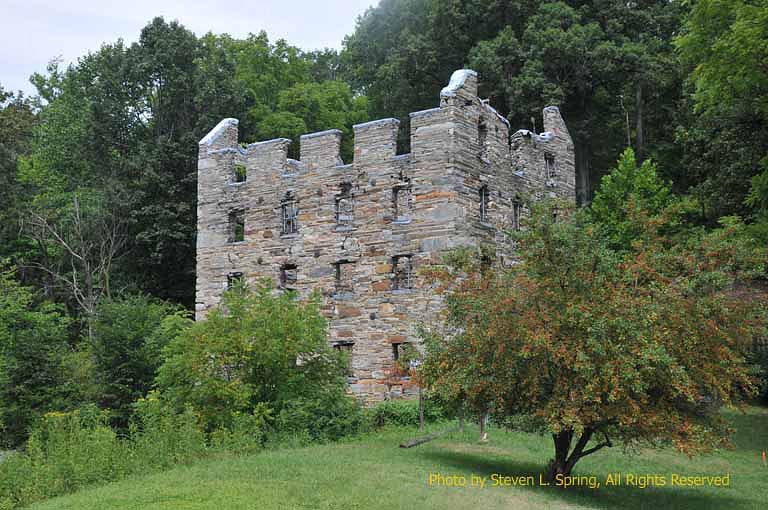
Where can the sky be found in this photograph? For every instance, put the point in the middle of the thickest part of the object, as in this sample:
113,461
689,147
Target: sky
32,32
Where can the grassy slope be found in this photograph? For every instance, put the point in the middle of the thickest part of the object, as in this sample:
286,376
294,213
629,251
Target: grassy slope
374,473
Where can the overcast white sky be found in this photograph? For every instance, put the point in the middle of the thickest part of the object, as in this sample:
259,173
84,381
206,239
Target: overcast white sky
34,31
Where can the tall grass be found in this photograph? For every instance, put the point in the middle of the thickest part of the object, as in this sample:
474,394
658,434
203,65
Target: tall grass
75,449
72,450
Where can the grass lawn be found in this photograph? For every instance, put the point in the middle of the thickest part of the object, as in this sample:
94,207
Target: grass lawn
373,473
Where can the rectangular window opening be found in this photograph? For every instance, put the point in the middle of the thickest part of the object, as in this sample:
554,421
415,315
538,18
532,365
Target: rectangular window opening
517,214
288,276
549,165
289,213
484,200
401,202
344,273
347,348
234,278
236,232
402,272
482,139
240,173
345,208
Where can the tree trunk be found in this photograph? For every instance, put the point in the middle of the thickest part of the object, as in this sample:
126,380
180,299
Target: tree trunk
421,409
583,178
640,142
564,461
559,465
483,431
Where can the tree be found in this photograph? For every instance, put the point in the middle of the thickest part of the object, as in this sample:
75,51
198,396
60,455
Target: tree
126,120
33,338
317,107
608,64
723,44
626,194
592,346
726,41
258,348
78,242
18,117
129,335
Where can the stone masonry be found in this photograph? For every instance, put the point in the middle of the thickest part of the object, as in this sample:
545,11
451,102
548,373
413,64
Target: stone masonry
359,232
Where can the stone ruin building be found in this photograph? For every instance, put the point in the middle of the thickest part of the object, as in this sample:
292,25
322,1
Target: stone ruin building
359,231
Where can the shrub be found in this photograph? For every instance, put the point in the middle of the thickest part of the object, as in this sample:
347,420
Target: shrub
66,451
129,334
33,339
161,437
758,359
246,434
259,347
325,417
404,413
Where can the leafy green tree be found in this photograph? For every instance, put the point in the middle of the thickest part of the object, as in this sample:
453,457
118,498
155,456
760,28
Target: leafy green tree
257,348
590,346
721,155
34,336
725,137
317,107
127,120
725,40
124,123
264,69
625,195
18,118
129,335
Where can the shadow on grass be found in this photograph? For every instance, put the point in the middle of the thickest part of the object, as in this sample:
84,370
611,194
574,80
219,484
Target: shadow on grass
623,497
751,432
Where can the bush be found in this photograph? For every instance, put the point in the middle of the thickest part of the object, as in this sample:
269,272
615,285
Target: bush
67,451
129,335
404,413
161,438
247,433
325,417
259,348
33,339
758,360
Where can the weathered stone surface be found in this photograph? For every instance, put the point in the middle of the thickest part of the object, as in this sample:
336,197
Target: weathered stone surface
401,209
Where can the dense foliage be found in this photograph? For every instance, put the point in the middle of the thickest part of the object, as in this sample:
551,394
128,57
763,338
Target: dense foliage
626,193
604,62
262,352
592,344
725,137
71,450
33,340
129,335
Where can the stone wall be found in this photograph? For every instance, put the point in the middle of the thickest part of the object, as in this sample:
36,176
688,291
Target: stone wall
359,227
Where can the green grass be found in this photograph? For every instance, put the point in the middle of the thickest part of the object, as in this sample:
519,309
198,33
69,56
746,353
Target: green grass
374,473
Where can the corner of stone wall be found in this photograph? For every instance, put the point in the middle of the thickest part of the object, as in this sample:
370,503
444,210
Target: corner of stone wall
461,87
223,136
554,123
